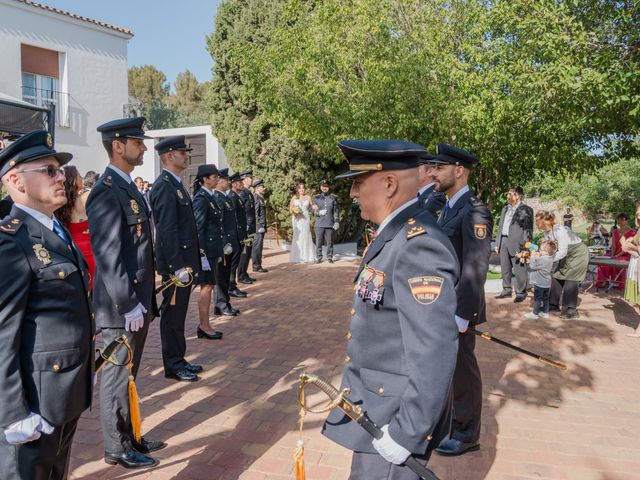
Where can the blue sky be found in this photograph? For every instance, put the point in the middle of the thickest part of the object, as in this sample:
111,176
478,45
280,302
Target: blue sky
168,34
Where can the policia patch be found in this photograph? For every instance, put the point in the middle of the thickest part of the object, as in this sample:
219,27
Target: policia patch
426,290
480,231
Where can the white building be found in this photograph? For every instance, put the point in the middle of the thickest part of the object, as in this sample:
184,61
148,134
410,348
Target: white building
79,64
206,149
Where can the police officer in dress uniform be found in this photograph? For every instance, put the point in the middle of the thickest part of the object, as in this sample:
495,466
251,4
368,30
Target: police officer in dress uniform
325,207
250,214
231,244
431,200
403,336
241,226
177,251
123,288
261,226
468,223
208,217
5,206
46,323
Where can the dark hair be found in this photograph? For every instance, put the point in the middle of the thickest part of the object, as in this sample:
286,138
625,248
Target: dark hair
108,145
90,179
517,189
71,175
622,216
196,185
138,178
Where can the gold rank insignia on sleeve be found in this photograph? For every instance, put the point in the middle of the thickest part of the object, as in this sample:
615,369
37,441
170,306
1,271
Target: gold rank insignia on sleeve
480,231
134,206
425,290
42,253
180,195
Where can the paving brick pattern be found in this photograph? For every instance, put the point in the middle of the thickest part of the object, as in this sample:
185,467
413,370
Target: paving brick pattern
239,420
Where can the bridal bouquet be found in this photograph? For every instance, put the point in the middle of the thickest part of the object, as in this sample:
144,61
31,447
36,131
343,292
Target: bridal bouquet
297,211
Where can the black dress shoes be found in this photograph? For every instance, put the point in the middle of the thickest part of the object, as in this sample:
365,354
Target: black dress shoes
130,459
246,281
237,293
519,298
182,375
260,270
503,294
331,260
318,260
227,311
209,336
193,367
570,313
554,308
452,447
147,446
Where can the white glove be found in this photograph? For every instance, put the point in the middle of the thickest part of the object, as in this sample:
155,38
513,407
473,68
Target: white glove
204,261
261,230
227,249
27,430
134,319
322,212
389,449
182,275
336,226
463,324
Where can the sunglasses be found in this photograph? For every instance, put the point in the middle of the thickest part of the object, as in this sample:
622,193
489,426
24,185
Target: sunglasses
49,170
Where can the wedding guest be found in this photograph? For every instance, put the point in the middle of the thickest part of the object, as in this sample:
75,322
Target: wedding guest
540,267
632,285
90,179
74,215
606,273
572,260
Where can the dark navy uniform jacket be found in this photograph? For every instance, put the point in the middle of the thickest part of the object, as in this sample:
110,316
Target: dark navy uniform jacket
329,204
432,201
176,233
261,212
120,227
46,324
229,222
249,209
241,216
208,216
403,338
469,225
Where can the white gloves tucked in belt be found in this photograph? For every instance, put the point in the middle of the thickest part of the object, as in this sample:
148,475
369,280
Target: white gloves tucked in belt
227,249
389,449
204,262
336,226
134,320
261,230
27,429
182,275
463,324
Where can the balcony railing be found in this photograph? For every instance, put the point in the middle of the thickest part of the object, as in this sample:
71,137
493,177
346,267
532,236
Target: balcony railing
48,99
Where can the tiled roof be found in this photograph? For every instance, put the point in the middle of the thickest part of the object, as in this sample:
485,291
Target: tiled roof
77,17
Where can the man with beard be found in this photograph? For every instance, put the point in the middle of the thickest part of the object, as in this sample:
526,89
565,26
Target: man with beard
177,254
123,289
468,224
241,227
46,325
261,226
403,336
250,214
325,207
429,198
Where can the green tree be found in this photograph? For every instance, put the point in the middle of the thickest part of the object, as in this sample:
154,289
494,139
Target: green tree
147,84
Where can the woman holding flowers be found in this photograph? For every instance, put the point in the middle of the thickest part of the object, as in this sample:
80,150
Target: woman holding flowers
302,247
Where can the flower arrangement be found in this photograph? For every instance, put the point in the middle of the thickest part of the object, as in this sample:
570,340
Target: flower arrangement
297,211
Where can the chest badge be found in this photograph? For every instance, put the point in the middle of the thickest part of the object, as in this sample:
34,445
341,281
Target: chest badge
425,290
180,194
370,285
134,206
42,253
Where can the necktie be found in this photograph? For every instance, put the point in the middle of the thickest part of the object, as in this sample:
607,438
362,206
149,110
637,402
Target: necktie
445,210
57,229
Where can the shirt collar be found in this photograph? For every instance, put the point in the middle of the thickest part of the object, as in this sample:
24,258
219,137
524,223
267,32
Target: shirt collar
178,179
125,176
39,216
452,201
210,192
423,189
393,214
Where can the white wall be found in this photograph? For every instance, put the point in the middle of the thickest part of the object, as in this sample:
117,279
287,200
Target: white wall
151,167
96,73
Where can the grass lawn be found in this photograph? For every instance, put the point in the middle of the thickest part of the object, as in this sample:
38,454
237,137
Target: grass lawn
493,275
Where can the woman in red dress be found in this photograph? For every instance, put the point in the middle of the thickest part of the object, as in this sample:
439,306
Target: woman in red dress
74,215
616,275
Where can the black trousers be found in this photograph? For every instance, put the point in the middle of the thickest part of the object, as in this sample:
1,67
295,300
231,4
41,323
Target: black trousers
324,236
511,267
371,466
467,391
44,459
243,264
233,268
221,272
114,396
564,293
256,251
540,299
172,318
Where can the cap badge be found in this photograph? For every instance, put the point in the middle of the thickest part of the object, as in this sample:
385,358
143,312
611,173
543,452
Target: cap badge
134,206
42,253
49,140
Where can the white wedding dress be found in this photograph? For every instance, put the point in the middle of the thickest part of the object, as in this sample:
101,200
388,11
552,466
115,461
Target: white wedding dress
302,247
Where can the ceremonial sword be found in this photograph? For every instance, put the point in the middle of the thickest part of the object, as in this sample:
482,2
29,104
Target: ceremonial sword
355,412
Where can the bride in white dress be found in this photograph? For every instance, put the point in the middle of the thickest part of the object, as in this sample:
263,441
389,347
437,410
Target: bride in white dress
302,247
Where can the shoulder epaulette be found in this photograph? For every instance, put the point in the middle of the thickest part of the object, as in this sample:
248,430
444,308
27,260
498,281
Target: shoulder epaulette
108,180
165,177
414,229
10,225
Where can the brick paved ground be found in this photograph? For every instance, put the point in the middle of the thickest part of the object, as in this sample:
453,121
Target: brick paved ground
239,420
